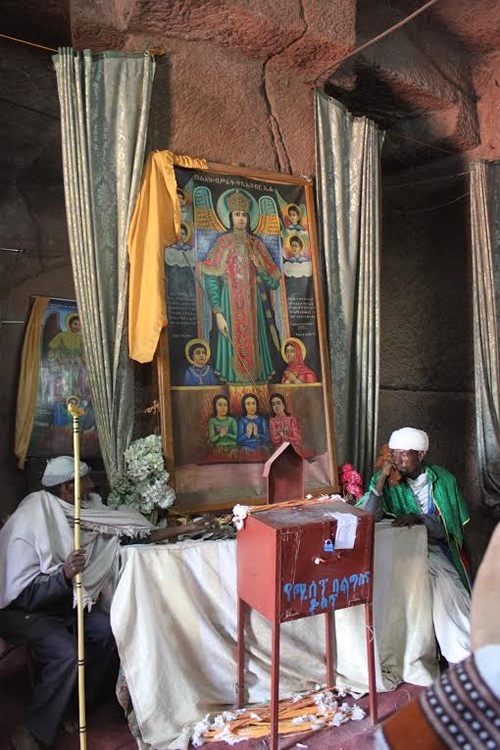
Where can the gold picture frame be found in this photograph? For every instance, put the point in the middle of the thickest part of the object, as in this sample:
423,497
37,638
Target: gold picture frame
242,364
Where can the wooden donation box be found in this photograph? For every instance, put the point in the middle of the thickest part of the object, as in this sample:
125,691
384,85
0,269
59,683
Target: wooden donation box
299,560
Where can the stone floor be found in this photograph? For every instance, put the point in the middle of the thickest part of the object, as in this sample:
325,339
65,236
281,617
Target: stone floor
107,729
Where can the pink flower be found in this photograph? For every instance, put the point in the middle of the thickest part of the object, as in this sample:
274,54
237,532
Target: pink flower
351,481
345,471
354,489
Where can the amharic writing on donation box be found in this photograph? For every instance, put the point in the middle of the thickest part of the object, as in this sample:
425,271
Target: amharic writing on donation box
242,362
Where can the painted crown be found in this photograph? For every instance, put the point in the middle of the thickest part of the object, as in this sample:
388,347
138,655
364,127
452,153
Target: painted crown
237,202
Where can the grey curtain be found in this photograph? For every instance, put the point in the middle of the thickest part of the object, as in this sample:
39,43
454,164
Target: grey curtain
348,174
104,102
485,229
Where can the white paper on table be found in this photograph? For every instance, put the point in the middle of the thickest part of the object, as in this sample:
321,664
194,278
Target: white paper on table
345,536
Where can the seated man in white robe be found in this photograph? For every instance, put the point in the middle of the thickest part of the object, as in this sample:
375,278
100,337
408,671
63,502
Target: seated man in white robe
38,566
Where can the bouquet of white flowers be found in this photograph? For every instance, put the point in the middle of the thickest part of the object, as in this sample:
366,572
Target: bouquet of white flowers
143,485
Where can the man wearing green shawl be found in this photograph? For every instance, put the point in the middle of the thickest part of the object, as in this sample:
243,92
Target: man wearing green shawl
428,494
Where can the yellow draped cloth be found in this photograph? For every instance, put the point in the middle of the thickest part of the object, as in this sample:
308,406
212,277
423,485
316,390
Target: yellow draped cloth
155,224
28,380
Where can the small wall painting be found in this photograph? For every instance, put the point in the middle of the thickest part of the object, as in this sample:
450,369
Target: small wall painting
63,379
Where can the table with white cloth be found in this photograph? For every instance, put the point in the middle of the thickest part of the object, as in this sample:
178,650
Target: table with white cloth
175,623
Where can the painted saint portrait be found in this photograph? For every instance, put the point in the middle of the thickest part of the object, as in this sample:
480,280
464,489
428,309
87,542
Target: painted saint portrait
181,253
296,250
66,362
184,204
199,372
293,219
282,426
253,431
222,427
296,371
183,244
237,274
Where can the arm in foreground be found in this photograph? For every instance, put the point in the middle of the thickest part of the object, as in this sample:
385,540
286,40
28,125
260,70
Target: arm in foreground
373,500
49,590
465,700
171,532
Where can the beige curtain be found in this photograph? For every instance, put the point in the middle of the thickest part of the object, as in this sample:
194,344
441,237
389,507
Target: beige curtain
485,228
348,173
104,101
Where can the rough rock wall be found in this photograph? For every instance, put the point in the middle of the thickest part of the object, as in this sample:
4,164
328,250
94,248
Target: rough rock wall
487,81
225,108
241,103
235,86
240,81
32,221
427,368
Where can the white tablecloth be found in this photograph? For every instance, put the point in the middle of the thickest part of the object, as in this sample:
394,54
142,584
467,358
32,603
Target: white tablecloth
174,619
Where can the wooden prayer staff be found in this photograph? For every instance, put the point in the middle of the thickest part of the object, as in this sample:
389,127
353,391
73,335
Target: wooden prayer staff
75,413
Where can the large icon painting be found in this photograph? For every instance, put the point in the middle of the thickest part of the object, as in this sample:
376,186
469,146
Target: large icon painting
242,360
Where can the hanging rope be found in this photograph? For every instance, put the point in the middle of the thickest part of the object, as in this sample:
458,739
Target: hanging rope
377,38
29,44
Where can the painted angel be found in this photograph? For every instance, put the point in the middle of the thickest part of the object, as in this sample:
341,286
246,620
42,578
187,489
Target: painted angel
63,356
241,283
293,217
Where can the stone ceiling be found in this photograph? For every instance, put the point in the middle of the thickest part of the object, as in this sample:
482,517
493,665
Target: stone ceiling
422,82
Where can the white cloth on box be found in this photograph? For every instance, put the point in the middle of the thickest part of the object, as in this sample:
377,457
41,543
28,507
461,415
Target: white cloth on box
38,538
409,439
345,535
180,601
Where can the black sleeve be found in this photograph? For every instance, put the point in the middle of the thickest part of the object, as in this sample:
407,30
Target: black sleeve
374,504
435,528
45,591
126,540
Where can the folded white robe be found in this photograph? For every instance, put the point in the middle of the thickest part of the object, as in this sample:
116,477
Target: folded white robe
38,538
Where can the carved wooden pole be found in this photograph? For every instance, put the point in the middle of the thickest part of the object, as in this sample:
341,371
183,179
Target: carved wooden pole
75,413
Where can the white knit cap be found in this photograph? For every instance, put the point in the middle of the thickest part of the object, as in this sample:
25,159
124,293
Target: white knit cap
409,439
62,469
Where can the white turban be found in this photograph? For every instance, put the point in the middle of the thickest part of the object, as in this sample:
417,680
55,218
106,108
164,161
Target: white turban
409,439
62,469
